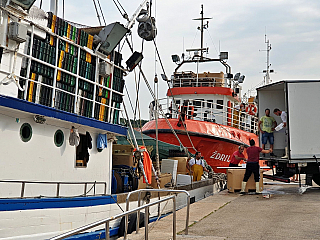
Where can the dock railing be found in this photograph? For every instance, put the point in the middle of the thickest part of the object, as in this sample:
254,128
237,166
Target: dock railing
139,191
107,221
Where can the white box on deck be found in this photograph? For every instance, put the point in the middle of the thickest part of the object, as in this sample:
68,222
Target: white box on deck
183,179
170,166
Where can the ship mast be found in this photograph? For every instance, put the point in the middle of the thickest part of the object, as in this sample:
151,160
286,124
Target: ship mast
267,72
199,58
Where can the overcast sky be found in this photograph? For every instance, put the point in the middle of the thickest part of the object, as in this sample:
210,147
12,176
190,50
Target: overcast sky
292,26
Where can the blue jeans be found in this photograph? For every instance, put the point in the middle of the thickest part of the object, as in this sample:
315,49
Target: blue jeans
267,136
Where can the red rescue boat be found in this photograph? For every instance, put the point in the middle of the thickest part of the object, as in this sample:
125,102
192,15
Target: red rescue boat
205,110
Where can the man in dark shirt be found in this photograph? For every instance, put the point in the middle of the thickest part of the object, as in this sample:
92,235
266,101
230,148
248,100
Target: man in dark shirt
253,165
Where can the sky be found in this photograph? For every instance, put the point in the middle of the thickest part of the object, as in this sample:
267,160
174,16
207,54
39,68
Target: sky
237,27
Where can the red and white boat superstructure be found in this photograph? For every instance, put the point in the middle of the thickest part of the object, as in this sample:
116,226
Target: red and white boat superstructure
209,103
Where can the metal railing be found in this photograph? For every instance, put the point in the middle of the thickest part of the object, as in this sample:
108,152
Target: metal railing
210,111
74,96
139,191
85,193
107,221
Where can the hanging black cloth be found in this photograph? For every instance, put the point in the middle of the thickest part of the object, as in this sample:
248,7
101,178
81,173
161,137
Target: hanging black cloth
87,144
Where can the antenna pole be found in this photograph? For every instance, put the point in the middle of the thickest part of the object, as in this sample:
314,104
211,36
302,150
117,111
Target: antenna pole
267,77
201,31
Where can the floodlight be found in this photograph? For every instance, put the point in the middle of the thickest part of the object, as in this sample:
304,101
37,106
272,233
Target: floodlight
133,61
223,55
175,58
236,77
241,79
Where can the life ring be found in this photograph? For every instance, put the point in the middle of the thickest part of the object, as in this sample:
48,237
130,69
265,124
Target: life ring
190,112
251,109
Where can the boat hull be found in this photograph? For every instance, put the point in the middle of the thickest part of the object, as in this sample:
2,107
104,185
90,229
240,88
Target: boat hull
216,142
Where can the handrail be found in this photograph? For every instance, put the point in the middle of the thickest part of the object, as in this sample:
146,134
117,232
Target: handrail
23,186
158,191
208,111
107,220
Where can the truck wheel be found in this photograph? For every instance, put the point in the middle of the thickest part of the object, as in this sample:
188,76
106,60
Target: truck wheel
316,178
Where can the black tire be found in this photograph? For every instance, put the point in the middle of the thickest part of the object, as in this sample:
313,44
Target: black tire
316,178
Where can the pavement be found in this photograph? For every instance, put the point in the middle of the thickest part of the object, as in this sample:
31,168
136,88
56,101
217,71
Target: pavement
282,212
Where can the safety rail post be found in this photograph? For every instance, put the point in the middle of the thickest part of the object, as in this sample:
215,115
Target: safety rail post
58,189
105,188
174,219
146,223
138,214
22,189
107,231
85,189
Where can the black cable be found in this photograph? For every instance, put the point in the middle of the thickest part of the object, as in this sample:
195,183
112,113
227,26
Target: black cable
95,6
102,12
117,203
125,85
117,7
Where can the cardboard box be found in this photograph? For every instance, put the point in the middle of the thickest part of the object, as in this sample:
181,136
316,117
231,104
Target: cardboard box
119,148
235,177
182,164
122,159
165,178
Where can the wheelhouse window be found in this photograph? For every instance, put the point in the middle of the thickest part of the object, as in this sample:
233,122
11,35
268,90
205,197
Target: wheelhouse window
219,104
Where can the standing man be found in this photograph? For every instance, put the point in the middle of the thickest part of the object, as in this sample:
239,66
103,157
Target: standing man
268,125
283,116
237,156
197,167
253,165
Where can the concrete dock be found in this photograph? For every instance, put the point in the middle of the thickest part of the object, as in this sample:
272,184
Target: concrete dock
281,213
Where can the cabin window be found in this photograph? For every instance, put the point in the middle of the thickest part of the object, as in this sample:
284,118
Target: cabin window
177,102
26,132
58,138
197,102
209,103
219,104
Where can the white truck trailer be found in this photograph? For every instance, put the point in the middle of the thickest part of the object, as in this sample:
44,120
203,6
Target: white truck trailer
300,99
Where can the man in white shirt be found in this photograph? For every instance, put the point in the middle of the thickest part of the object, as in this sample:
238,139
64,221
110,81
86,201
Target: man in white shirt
283,116
197,167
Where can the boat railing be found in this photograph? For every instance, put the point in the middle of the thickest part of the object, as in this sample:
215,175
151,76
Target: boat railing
200,82
48,81
58,187
139,191
107,221
210,111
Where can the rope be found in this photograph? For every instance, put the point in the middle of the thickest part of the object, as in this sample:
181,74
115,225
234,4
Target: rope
174,101
154,97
